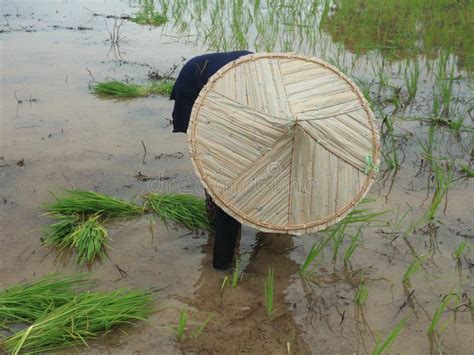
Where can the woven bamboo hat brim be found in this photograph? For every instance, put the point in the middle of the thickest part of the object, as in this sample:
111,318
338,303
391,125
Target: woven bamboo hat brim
283,142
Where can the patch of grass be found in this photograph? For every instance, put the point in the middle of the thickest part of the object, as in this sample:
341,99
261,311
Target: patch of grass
182,209
383,346
269,288
148,15
120,89
28,302
88,315
88,239
81,202
183,320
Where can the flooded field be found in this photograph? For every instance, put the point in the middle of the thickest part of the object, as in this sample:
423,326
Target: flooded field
400,269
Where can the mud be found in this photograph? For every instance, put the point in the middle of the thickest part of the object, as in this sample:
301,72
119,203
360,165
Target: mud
54,134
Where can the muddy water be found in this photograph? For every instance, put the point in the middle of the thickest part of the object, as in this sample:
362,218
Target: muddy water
60,136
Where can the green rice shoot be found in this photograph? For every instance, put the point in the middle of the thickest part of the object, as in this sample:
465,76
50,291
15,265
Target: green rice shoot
414,266
269,288
183,210
183,319
201,327
382,347
148,15
361,295
88,315
440,310
119,89
27,302
82,202
462,249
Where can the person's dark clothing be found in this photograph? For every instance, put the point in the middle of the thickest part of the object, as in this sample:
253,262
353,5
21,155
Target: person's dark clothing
191,79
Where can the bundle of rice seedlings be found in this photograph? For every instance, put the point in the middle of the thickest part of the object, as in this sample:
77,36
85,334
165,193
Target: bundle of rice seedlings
86,316
120,89
81,202
163,87
27,302
54,234
182,209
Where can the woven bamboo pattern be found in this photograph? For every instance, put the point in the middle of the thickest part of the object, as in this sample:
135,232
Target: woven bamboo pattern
283,142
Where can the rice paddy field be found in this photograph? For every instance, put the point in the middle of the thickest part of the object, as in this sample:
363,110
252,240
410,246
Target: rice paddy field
84,106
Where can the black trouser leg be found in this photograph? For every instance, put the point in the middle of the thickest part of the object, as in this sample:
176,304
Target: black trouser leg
226,231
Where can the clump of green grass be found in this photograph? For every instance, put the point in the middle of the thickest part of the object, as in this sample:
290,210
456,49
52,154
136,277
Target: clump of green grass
381,347
88,315
182,209
87,238
81,202
148,15
27,302
414,266
183,319
269,288
115,88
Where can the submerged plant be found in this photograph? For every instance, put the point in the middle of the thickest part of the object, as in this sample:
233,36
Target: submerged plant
443,180
383,346
269,288
182,209
81,202
88,315
27,302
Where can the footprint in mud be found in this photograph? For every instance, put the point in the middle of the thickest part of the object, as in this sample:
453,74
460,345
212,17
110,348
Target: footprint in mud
240,322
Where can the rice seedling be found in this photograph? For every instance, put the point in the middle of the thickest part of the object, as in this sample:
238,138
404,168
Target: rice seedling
467,170
414,266
81,202
236,273
352,247
120,89
440,310
361,295
411,78
87,316
269,288
148,15
201,327
183,319
443,180
182,209
88,239
462,249
223,284
27,302
383,346
55,233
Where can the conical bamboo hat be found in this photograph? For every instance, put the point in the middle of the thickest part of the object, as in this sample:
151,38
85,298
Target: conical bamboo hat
283,142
